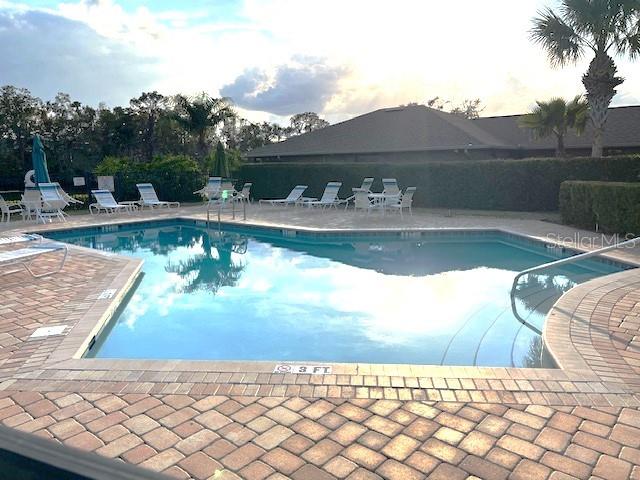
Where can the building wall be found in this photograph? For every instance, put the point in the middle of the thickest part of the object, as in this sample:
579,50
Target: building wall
440,156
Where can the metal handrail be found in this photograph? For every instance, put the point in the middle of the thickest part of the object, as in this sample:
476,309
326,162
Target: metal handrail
555,263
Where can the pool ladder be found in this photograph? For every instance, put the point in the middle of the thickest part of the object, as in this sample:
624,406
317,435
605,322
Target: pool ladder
556,263
220,205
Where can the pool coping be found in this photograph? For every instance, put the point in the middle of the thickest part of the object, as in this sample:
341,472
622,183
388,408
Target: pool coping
573,383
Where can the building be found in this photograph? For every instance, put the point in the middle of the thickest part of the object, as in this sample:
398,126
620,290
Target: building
419,133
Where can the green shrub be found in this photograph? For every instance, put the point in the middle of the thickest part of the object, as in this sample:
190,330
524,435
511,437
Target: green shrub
522,185
613,206
175,177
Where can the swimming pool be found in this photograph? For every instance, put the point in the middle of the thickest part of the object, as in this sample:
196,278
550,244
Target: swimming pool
437,298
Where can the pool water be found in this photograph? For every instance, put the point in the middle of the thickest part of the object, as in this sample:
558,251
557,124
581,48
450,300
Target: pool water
252,295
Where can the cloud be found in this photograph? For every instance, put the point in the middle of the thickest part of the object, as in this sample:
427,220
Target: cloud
48,53
308,84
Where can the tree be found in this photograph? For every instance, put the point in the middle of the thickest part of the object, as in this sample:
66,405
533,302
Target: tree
306,122
606,27
149,107
200,115
556,117
469,109
18,119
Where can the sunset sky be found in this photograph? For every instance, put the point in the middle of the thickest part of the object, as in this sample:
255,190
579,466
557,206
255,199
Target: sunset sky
277,57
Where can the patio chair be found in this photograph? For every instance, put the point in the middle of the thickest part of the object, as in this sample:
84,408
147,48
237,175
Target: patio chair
106,203
329,197
292,199
362,201
149,197
6,210
31,203
402,203
244,194
24,257
366,185
53,203
211,189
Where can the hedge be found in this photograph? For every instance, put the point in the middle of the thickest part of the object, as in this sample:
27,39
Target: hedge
521,185
175,177
613,206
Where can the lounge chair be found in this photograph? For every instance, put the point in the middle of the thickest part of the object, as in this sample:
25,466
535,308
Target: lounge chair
329,196
149,197
106,203
24,257
403,203
366,185
292,199
7,210
390,187
53,203
67,198
23,237
211,189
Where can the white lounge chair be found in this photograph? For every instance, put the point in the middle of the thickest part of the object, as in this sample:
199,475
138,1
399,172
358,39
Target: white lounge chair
403,203
390,187
67,198
366,185
211,189
23,237
6,210
53,203
149,197
292,199
329,196
106,203
24,257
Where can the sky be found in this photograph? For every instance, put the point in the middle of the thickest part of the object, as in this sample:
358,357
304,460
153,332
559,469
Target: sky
275,58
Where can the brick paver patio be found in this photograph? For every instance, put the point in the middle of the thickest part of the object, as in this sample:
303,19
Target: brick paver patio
191,419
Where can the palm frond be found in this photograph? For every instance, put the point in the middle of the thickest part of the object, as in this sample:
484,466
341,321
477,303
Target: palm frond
558,38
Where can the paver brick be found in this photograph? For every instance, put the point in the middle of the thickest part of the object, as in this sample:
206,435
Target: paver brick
348,433
443,451
195,442
340,467
611,468
566,465
161,438
528,470
162,460
482,468
256,471
400,447
273,437
552,439
322,451
394,470
282,461
242,456
199,465
363,456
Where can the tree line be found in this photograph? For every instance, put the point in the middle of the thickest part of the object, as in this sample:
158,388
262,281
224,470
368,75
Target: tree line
77,136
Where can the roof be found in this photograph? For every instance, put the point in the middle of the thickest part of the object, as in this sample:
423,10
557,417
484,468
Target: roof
622,130
419,128
400,129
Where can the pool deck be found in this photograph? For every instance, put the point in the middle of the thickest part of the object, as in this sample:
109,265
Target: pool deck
191,418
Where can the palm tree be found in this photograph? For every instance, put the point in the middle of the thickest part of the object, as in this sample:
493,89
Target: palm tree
606,27
557,117
200,114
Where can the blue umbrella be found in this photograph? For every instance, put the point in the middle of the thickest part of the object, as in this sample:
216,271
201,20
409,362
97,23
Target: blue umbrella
39,159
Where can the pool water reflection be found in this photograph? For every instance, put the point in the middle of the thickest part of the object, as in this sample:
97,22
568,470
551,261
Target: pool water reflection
252,296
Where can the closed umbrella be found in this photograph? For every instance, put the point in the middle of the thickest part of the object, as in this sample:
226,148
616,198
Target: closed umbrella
220,167
39,159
